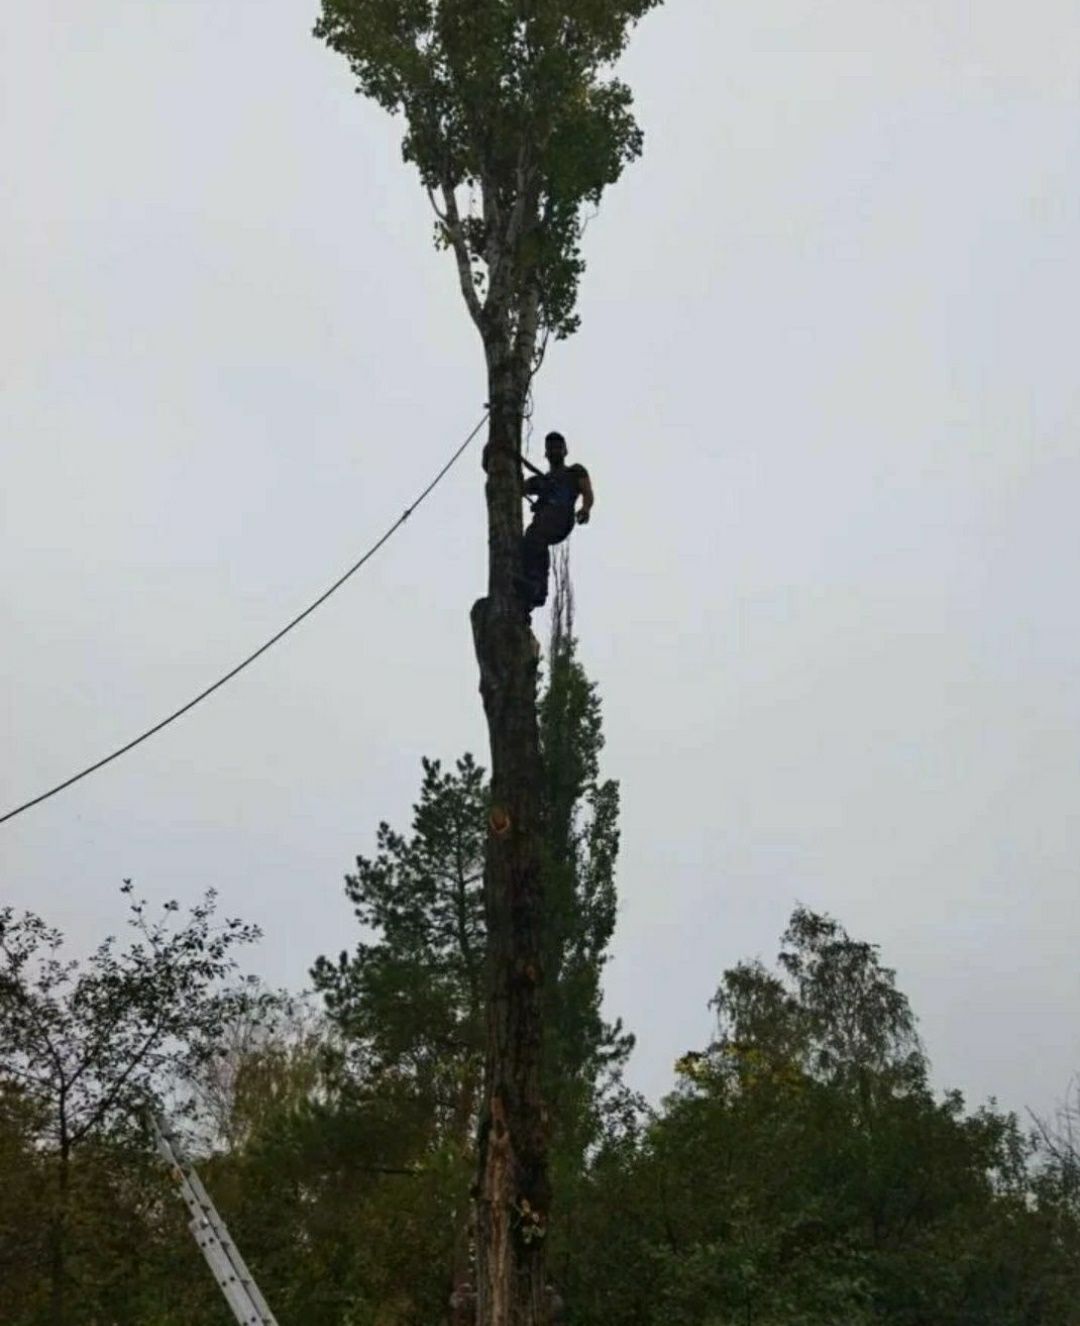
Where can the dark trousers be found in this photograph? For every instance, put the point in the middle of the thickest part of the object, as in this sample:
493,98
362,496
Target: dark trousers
549,525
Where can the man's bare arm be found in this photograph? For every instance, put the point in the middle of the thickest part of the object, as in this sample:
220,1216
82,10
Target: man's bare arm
587,499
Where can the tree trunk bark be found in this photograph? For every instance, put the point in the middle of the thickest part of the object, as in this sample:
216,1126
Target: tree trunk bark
513,1192
58,1242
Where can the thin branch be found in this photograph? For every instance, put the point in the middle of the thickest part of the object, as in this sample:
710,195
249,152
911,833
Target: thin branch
503,269
108,1100
451,222
444,220
540,354
7,1067
34,1027
100,1045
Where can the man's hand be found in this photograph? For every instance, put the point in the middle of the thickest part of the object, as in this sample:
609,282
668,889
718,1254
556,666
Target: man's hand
582,517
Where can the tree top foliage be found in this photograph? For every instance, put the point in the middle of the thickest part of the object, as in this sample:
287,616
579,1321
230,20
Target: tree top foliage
833,1014
511,97
95,1042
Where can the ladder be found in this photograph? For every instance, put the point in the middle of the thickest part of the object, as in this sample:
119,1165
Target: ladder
209,1232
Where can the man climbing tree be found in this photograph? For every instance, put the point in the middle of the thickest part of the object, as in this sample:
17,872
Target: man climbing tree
554,513
516,127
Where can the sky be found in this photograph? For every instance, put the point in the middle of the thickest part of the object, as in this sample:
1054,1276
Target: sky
826,388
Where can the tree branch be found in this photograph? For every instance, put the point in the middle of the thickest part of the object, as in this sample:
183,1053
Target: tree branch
462,882
503,263
33,1022
7,1067
450,220
103,1106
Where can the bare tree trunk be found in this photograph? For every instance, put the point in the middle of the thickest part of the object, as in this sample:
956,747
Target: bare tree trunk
58,1241
461,1257
513,1193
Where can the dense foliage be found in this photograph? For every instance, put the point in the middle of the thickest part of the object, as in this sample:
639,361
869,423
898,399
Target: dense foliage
801,1173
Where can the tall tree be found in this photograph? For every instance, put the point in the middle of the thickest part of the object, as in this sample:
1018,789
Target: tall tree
409,1001
584,1055
511,100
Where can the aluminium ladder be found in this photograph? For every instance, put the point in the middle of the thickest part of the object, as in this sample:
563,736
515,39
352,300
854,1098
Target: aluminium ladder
208,1229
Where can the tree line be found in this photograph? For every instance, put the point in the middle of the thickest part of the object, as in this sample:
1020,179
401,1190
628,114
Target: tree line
802,1171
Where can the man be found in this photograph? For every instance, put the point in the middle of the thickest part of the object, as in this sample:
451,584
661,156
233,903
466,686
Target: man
554,513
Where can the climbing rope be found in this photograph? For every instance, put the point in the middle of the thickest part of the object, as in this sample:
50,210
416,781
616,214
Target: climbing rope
123,750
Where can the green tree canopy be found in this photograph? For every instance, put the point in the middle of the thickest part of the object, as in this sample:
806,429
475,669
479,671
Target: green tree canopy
84,1048
803,1173
515,99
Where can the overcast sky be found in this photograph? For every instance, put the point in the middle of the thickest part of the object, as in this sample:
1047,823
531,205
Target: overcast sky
827,388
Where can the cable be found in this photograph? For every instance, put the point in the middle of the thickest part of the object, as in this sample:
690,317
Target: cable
262,648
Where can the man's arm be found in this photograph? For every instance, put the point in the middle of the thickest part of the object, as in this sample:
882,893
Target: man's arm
485,458
587,498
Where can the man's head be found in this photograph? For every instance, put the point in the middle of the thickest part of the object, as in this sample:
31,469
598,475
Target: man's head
555,449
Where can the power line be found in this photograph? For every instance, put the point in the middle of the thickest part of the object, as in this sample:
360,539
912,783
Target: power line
100,764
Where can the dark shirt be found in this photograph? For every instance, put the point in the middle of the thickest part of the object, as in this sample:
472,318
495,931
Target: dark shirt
558,489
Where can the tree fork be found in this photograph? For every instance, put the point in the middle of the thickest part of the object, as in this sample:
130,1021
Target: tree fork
513,1194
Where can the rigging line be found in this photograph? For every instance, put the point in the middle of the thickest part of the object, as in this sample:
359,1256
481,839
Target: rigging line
262,648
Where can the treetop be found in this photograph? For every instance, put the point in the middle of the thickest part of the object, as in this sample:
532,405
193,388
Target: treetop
515,98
